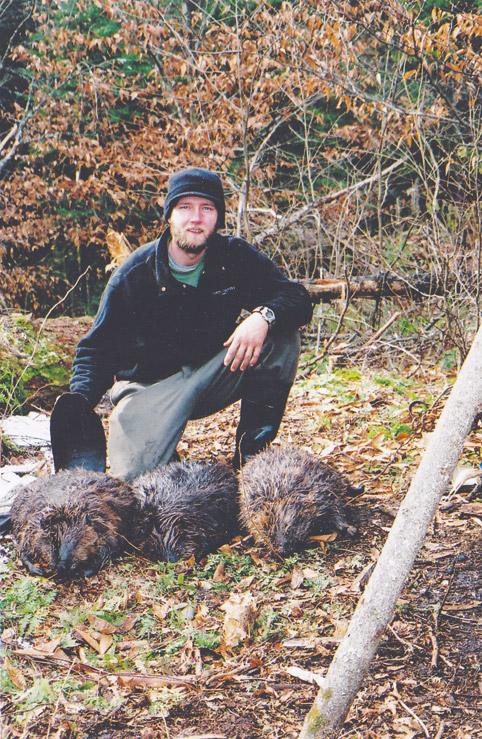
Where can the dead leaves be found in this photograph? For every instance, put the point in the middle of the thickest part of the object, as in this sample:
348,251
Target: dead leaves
100,643
123,678
15,674
119,248
240,612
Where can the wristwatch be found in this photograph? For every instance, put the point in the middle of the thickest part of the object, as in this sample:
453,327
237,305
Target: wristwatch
267,314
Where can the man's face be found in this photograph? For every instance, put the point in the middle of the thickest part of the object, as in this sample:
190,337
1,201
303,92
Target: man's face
193,222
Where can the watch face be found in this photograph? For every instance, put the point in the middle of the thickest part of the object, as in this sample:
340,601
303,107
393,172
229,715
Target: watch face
267,314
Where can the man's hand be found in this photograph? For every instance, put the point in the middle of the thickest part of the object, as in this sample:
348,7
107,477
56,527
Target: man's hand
246,342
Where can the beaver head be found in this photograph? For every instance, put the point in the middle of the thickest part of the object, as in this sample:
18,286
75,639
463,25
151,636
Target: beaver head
288,495
72,523
76,541
188,509
282,524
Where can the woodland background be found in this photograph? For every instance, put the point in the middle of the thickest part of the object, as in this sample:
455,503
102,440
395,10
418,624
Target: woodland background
347,135
348,138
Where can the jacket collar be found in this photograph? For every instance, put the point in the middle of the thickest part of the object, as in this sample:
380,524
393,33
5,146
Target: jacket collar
163,273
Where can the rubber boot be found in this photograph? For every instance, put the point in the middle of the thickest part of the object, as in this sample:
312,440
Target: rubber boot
77,435
259,423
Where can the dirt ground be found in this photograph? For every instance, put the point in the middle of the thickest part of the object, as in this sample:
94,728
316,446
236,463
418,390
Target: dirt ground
425,680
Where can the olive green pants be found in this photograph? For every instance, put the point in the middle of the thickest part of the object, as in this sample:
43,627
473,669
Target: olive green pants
148,420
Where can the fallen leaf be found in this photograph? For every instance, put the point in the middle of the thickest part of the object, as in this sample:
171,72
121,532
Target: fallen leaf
361,580
311,574
105,643
341,627
8,635
99,624
240,614
89,639
129,622
161,611
340,565
247,581
297,577
15,674
50,646
218,574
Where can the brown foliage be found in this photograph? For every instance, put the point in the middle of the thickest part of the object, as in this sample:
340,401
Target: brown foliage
288,102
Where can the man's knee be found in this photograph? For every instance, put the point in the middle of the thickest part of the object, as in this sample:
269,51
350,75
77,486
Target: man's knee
280,355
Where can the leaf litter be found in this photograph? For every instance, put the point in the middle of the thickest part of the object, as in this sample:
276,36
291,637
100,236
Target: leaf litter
236,645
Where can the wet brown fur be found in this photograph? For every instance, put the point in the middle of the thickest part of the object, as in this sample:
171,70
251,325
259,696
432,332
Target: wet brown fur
189,509
72,523
288,495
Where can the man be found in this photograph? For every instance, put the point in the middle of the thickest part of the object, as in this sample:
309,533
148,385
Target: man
168,332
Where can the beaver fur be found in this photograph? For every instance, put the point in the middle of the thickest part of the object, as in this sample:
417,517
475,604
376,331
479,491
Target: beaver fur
188,508
72,523
288,495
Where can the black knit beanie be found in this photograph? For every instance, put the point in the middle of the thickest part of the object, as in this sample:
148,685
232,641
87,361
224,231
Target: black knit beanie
199,182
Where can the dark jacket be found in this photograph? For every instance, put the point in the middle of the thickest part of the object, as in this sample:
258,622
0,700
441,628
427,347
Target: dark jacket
149,325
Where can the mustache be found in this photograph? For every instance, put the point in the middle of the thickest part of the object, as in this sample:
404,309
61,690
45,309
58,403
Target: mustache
191,248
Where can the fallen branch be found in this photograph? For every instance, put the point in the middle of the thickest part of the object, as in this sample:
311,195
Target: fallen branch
381,331
435,649
132,679
328,289
409,710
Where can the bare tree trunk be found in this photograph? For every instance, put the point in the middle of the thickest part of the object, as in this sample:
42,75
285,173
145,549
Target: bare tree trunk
375,608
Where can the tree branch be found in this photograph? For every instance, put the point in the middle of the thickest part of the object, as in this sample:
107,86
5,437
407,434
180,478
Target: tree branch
291,218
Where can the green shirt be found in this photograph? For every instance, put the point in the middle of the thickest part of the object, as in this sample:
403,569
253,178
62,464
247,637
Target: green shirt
187,275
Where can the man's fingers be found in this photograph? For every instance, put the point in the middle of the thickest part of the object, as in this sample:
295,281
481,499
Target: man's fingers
230,355
239,360
255,356
247,358
238,356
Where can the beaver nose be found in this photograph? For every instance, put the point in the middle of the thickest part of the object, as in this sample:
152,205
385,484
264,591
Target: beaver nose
284,544
88,572
171,556
63,570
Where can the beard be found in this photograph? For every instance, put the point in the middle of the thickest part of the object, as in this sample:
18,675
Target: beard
188,246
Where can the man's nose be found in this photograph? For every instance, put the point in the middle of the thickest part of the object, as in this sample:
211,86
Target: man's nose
196,214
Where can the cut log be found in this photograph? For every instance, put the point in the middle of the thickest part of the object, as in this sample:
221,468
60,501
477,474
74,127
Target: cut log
326,290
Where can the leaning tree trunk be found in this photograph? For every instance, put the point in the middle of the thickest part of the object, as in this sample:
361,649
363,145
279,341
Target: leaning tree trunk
374,611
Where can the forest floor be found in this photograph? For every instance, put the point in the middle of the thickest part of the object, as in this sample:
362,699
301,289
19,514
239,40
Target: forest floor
147,650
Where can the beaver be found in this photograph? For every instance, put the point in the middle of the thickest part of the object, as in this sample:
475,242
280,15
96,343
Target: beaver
188,508
70,524
288,495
